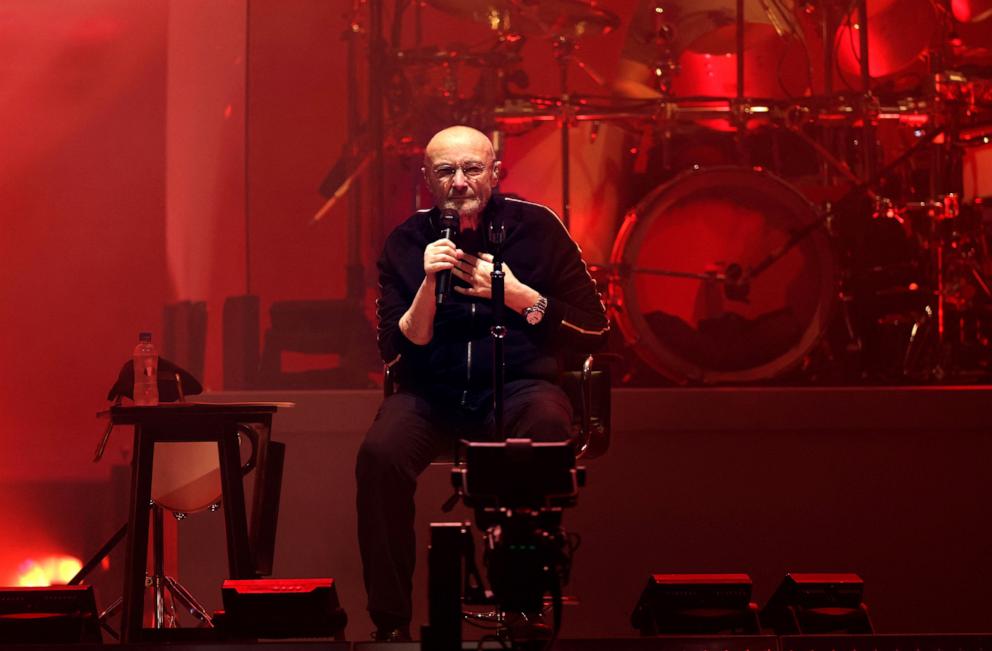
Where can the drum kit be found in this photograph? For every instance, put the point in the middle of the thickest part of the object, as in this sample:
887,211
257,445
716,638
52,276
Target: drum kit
840,235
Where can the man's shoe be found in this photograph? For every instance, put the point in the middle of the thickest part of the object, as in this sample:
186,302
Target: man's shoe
401,634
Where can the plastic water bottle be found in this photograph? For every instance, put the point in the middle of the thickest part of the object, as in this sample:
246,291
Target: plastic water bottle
145,371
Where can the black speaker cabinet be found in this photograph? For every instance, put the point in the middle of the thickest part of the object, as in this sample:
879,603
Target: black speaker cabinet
281,608
241,342
51,615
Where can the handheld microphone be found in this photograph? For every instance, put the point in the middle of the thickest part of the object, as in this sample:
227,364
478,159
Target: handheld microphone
449,229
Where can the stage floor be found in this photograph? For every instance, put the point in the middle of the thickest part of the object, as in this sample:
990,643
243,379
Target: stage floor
888,482
945,642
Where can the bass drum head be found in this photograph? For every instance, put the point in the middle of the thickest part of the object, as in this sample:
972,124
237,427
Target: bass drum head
692,329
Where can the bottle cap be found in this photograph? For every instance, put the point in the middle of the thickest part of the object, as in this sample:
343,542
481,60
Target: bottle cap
144,336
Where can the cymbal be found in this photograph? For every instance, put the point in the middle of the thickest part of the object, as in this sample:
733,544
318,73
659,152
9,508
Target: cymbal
572,18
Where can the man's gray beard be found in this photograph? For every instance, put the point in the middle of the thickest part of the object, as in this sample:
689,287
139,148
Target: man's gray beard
471,207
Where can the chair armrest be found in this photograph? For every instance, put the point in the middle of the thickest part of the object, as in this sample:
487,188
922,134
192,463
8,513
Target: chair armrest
588,388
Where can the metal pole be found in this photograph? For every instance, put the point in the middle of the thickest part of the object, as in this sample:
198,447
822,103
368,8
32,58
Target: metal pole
868,117
740,50
355,274
158,569
247,149
827,30
376,81
565,50
738,112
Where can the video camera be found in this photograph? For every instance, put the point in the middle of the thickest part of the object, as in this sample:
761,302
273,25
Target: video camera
518,489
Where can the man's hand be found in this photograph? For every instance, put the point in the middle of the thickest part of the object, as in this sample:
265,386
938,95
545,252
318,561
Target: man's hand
440,255
477,274
417,323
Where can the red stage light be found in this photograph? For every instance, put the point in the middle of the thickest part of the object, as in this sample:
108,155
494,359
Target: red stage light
49,570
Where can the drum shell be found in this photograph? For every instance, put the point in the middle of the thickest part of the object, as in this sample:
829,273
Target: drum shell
900,32
809,267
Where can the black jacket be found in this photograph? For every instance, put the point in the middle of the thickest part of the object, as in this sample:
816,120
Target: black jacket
540,253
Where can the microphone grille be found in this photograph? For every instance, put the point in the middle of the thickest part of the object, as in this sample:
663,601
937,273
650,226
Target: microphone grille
449,219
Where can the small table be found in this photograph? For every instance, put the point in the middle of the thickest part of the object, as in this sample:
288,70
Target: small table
183,422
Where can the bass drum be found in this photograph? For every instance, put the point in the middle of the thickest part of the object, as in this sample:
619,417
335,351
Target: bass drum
668,294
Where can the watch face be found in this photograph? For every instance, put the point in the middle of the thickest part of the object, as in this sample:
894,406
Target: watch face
534,317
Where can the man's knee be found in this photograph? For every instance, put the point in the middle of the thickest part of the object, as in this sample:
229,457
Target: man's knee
376,454
545,415
546,423
398,441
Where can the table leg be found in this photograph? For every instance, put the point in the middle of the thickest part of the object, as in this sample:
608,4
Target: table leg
136,555
238,554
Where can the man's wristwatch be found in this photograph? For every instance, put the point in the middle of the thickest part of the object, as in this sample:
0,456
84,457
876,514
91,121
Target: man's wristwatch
535,312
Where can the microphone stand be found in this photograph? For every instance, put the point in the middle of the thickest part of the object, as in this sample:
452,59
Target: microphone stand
498,330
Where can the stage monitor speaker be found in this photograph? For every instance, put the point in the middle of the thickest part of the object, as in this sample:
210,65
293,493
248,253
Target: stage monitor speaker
819,603
313,329
241,341
696,604
887,642
49,615
281,608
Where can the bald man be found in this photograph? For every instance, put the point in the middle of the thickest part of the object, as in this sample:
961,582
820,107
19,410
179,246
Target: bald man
441,356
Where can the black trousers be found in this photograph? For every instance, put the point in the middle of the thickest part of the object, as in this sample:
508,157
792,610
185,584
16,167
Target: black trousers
408,433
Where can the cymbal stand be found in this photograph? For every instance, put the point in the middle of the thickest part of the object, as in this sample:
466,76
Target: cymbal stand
164,615
869,110
376,117
564,48
740,51
355,275
666,64
828,27
737,112
942,204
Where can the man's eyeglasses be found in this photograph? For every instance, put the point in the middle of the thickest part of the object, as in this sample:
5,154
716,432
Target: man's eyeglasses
470,170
